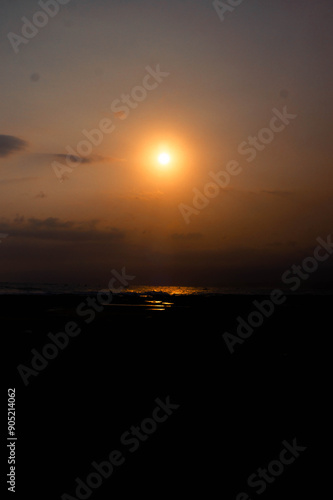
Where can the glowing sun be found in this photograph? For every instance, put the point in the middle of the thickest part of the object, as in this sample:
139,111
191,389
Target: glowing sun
164,159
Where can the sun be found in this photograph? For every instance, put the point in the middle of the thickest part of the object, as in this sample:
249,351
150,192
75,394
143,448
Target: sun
164,158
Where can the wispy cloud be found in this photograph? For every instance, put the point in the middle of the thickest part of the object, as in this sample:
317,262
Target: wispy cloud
14,180
61,157
144,195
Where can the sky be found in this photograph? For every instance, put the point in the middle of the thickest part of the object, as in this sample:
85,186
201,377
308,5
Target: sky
98,89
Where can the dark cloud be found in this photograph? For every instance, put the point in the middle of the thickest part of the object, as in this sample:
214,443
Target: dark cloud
3,236
72,158
84,160
54,229
50,222
10,144
40,195
19,218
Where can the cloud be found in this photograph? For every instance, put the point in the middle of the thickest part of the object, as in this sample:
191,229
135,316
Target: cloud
143,195
251,192
18,179
105,159
63,157
10,144
41,195
3,236
71,162
50,222
59,230
81,160
19,218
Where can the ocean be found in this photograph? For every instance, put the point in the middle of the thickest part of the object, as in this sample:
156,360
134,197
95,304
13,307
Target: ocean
7,288
243,374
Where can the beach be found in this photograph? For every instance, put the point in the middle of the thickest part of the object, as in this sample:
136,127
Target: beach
78,392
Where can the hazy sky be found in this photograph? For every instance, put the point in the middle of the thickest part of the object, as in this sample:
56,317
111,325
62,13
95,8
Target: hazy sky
219,84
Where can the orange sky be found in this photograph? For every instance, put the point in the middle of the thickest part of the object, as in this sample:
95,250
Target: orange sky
210,86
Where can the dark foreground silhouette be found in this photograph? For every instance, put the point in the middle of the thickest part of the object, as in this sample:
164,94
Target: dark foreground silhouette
102,386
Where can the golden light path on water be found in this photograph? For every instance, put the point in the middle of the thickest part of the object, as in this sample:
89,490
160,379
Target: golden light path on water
170,290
